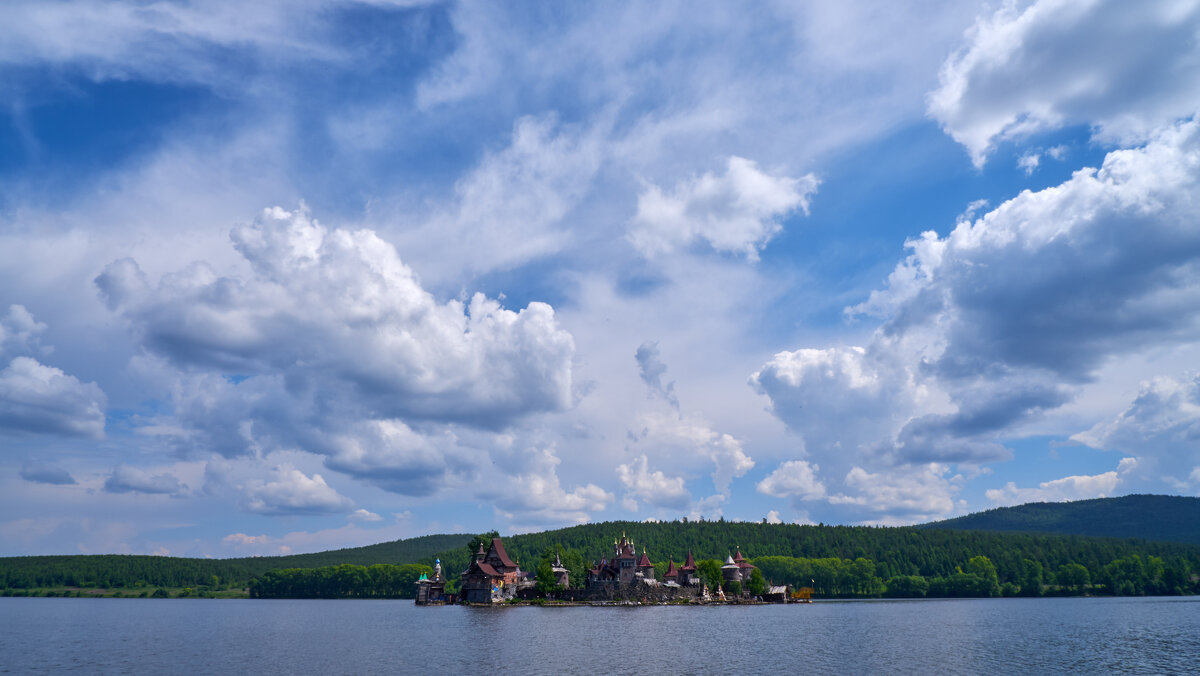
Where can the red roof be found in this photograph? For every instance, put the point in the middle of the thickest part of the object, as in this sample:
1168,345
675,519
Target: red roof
671,571
644,562
504,560
690,564
738,556
488,570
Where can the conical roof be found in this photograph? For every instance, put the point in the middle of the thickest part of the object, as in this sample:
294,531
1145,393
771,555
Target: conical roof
690,563
672,571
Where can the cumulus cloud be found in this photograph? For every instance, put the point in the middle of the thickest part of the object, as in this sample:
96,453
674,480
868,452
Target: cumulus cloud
293,492
41,399
686,441
48,474
1029,162
793,479
653,487
1061,490
333,347
737,212
126,479
1161,426
529,493
773,517
1054,63
365,516
651,369
870,396
341,306
1005,318
899,496
19,331
391,455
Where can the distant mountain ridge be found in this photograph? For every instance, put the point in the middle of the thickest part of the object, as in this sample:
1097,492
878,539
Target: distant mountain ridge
1167,518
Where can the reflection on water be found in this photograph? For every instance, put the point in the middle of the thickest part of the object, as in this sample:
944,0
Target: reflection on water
1126,635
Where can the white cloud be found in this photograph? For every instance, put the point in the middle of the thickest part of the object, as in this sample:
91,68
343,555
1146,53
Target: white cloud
712,507
653,487
364,515
773,517
43,400
737,212
527,492
911,495
651,369
1058,490
344,309
20,332
333,347
40,399
165,41
1028,162
391,455
510,208
293,492
794,479
48,474
1161,426
869,396
241,539
684,440
1007,317
126,479
1054,63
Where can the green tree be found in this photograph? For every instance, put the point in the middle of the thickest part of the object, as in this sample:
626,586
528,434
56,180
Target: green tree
906,587
710,571
484,539
757,585
546,583
1030,578
1073,577
983,568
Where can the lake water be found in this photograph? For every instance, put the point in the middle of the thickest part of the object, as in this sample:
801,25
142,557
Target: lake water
997,636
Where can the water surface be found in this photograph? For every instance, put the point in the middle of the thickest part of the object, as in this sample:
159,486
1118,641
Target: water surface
996,636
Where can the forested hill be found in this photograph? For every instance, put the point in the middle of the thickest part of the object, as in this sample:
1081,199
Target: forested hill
116,570
894,551
931,553
1169,518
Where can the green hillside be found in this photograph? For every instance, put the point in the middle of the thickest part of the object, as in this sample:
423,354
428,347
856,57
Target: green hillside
117,570
1131,545
928,553
1170,518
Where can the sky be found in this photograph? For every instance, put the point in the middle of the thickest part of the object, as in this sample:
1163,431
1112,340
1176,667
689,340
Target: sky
281,277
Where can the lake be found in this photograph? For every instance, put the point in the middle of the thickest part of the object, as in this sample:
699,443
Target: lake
992,636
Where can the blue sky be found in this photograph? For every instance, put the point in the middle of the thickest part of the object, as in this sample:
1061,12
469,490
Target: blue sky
290,276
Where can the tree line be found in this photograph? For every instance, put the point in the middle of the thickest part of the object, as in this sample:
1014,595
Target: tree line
916,563
840,557
137,571
904,561
347,581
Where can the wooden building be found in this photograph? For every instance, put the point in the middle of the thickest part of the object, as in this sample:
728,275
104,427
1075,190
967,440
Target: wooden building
491,577
432,591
